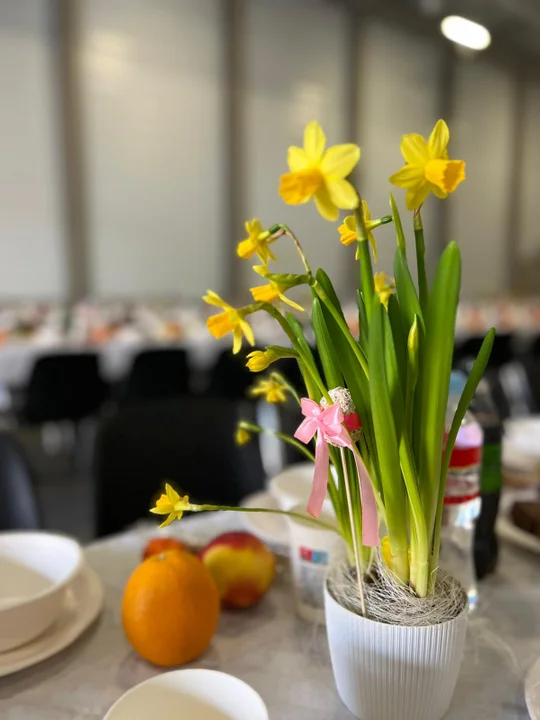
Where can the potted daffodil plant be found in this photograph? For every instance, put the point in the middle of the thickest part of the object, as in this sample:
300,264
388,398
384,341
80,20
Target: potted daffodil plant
374,408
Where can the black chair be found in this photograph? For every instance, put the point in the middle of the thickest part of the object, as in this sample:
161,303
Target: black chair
63,387
156,375
18,505
502,353
188,442
230,378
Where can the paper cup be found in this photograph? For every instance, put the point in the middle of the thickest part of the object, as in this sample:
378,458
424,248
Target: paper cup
292,486
312,550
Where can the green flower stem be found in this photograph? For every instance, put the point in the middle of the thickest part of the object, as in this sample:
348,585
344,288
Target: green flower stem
287,231
298,516
254,428
342,325
283,380
366,267
421,260
310,366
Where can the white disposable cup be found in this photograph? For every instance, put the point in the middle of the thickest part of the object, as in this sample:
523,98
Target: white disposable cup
292,486
312,549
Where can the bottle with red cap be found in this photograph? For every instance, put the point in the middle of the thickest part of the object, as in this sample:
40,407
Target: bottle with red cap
462,495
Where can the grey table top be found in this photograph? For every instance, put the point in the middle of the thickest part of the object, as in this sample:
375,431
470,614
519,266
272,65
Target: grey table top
284,658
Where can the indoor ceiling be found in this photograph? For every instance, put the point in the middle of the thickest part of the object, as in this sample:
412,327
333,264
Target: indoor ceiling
516,23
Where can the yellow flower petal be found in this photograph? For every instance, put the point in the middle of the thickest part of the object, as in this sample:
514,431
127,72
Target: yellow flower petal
172,496
417,196
325,206
297,159
213,298
237,340
339,161
314,141
438,140
242,437
343,195
414,149
408,176
292,304
265,293
438,192
168,521
245,327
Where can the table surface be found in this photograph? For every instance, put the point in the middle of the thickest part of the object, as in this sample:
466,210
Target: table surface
284,658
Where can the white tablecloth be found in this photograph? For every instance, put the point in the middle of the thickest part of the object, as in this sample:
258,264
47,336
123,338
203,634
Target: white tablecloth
284,658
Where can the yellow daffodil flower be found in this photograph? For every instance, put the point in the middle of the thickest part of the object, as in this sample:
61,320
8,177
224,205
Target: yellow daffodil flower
171,504
384,285
257,242
428,168
259,360
242,436
320,174
272,292
347,231
230,320
272,391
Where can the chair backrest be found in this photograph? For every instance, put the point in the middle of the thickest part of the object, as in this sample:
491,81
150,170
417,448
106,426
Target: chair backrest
64,386
230,378
188,441
18,504
157,374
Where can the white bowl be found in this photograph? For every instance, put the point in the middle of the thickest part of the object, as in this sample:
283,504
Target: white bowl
35,570
190,695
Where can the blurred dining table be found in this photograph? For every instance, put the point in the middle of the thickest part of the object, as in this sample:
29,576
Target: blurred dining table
283,657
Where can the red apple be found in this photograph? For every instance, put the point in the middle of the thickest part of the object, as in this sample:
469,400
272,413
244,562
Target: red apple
157,545
242,567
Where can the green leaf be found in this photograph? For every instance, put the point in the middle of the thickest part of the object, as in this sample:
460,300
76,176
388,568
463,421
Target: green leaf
399,227
399,341
435,371
478,369
387,444
406,292
363,323
327,352
328,288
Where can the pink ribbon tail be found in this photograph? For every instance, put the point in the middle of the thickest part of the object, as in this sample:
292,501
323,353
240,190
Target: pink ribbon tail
320,477
370,523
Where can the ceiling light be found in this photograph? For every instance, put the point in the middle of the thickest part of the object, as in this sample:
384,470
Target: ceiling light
466,32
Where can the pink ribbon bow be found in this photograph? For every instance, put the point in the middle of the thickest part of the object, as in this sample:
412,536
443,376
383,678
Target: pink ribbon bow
327,423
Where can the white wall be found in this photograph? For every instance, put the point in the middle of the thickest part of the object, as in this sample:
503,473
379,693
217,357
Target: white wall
398,92
529,239
482,135
32,250
152,83
294,72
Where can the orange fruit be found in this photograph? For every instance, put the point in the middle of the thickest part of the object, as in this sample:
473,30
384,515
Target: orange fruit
170,608
157,545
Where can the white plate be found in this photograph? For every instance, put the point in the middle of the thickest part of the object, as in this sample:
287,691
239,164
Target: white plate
190,695
271,529
82,603
532,691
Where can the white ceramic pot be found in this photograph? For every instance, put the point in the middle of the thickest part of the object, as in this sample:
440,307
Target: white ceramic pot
392,672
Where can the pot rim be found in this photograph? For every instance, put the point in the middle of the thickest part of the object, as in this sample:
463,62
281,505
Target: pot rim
329,597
